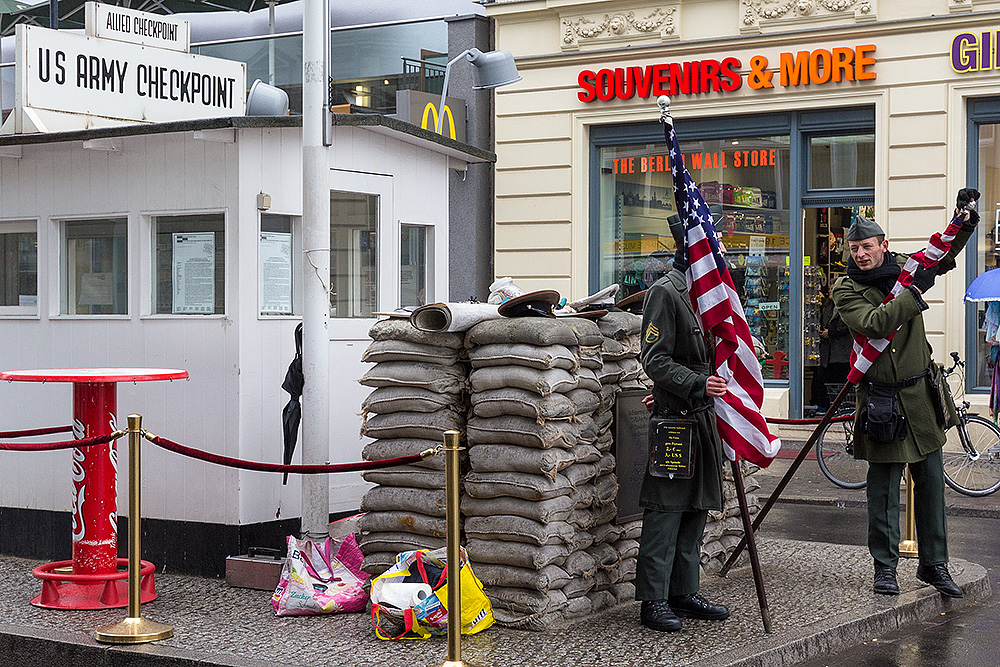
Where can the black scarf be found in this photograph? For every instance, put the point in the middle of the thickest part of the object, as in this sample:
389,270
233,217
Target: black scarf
881,277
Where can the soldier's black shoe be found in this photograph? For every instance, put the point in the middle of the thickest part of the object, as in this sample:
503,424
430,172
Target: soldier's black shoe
657,615
885,580
939,577
695,606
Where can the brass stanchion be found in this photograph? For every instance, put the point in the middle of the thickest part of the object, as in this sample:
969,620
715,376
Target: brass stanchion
908,546
134,629
451,450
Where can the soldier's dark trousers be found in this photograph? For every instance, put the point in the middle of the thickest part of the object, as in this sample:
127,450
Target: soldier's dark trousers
669,554
883,510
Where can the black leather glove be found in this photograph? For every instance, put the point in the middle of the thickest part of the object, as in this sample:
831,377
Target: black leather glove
923,279
945,265
966,195
973,219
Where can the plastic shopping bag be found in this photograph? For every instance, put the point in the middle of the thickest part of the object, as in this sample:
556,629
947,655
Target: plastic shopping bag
426,615
315,581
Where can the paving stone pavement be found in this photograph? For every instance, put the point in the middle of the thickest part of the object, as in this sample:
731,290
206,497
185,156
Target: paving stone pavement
819,596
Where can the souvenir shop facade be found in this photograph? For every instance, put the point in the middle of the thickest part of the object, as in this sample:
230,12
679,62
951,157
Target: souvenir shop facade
793,120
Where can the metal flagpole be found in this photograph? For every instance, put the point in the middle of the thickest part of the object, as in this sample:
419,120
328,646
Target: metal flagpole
316,267
758,577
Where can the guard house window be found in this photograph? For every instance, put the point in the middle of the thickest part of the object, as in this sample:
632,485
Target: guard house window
18,268
275,274
842,162
190,260
749,178
95,268
353,254
413,265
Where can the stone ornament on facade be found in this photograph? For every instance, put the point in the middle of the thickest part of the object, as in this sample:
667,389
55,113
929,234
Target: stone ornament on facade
959,6
759,14
644,24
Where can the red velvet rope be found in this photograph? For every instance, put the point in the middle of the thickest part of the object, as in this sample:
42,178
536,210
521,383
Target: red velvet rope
52,446
816,420
177,448
36,431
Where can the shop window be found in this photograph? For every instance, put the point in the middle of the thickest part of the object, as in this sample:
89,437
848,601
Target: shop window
353,254
274,277
413,265
842,162
748,178
190,261
987,245
18,268
95,267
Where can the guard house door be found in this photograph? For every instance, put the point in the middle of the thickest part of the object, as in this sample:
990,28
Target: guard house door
363,281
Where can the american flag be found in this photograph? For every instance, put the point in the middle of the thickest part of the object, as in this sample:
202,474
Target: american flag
716,303
866,350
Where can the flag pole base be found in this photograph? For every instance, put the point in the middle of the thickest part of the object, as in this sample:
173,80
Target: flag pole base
134,631
908,549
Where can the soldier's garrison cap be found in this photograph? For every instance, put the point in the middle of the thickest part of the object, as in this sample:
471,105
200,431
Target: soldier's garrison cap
862,229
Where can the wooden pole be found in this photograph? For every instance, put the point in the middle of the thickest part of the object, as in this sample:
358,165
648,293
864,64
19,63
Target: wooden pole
788,475
758,578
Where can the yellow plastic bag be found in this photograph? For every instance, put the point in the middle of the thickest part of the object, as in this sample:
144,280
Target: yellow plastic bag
428,617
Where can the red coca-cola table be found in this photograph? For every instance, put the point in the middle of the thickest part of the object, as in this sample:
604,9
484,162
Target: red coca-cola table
94,581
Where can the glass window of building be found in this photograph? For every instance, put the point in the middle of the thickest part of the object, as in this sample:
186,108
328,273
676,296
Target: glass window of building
353,254
842,162
978,369
413,265
747,179
18,268
190,261
275,276
95,267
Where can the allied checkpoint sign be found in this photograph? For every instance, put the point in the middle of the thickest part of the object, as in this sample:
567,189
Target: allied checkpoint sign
129,25
67,81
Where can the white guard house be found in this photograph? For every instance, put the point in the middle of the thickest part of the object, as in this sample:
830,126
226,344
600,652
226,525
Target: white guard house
178,245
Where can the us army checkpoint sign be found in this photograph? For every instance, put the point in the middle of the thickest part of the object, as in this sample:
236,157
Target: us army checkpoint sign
70,73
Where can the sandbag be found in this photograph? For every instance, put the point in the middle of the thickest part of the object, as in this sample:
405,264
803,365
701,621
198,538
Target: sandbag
543,383
518,554
606,464
515,430
550,577
523,403
605,489
429,502
398,542
631,369
529,330
401,329
377,562
578,587
514,458
555,509
601,600
525,601
619,324
609,373
402,350
607,532
586,378
587,453
587,430
509,528
580,564
585,400
605,555
406,522
396,447
627,548
418,425
516,484
608,394
541,357
623,592
579,474
541,622
433,377
577,607
587,332
406,475
589,356
407,399
632,530
612,350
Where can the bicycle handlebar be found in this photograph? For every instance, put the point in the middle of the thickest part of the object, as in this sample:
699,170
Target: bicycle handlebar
958,364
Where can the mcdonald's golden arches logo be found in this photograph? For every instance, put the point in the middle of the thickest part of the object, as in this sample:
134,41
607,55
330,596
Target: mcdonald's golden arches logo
430,111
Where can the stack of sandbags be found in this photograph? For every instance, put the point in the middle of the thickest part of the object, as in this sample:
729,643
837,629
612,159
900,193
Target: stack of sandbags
724,529
531,497
419,381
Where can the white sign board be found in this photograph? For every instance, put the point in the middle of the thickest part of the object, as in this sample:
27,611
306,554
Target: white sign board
275,273
194,273
77,74
129,25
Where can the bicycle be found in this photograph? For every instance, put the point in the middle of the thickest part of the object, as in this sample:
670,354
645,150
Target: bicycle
971,453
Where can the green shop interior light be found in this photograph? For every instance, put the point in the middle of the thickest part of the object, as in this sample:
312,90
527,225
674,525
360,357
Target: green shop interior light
490,70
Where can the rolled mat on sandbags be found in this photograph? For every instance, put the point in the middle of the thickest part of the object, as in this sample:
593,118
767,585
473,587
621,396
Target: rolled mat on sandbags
449,317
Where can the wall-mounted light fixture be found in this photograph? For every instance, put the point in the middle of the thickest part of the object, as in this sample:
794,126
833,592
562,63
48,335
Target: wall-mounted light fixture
263,201
490,70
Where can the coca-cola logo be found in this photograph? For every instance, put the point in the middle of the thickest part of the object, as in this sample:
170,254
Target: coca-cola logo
79,497
79,429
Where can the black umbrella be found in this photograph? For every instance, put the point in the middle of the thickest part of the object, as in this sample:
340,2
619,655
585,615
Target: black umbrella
292,414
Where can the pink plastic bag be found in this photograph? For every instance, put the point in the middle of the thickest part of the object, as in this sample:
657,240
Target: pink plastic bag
314,581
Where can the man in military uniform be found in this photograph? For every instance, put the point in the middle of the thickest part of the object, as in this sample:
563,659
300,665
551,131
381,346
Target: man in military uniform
676,356
898,419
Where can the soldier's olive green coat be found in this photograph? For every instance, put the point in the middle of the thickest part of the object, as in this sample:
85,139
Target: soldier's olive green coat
908,354
677,358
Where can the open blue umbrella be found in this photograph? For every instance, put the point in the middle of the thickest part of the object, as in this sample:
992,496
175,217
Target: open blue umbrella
986,287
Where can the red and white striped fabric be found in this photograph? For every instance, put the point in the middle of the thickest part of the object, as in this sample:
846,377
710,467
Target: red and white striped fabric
716,303
866,350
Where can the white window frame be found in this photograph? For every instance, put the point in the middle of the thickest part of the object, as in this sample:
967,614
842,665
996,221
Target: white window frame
24,226
296,229
148,267
430,294
61,304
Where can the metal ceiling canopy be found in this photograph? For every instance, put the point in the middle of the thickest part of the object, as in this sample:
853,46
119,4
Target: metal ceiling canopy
71,14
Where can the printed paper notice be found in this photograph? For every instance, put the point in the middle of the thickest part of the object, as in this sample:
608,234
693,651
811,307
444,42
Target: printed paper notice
194,273
275,273
757,245
96,289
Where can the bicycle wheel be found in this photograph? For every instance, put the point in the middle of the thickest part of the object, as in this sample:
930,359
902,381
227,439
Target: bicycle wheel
973,469
835,454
